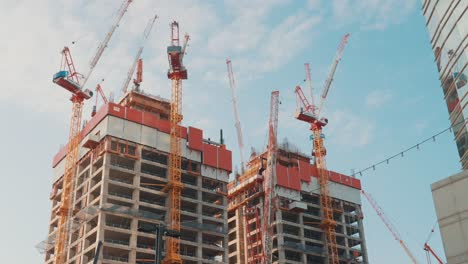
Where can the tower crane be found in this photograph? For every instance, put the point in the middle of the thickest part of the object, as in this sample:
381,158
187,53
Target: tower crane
240,140
177,72
269,183
389,226
69,79
138,62
311,114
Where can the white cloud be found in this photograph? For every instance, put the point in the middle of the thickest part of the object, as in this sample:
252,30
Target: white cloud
314,4
349,129
372,14
378,98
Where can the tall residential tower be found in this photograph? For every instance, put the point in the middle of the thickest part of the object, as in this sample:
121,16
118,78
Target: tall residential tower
447,22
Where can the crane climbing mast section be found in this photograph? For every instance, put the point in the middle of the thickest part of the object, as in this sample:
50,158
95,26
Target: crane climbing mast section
103,45
176,73
69,81
389,226
270,181
240,140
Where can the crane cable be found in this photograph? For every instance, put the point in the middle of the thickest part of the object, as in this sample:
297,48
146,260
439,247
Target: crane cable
401,153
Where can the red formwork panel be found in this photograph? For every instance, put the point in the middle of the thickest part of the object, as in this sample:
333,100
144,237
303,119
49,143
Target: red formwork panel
117,110
346,180
225,159
134,115
313,171
59,156
304,170
282,176
294,178
195,138
95,120
150,120
163,126
90,125
183,132
210,155
355,183
335,177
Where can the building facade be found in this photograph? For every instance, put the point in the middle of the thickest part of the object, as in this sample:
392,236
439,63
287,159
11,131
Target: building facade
447,23
297,236
119,190
451,202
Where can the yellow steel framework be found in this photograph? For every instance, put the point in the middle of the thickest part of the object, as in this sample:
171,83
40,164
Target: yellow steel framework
328,222
177,73
64,211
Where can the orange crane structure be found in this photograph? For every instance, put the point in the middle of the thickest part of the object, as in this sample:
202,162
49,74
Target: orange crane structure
311,114
138,62
389,226
240,140
269,183
69,79
177,72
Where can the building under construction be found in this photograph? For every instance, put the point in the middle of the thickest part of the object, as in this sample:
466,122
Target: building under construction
119,191
297,236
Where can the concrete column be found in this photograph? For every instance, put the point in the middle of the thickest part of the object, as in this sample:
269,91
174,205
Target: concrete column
280,238
362,237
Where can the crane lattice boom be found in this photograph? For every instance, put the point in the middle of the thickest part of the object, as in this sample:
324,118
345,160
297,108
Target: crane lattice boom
331,75
309,84
269,182
389,226
103,45
232,85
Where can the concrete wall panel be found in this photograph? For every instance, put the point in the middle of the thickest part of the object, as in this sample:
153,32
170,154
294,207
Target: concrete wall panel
132,131
149,136
115,127
163,141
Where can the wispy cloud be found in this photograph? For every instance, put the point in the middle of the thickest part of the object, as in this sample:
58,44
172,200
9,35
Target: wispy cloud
372,14
378,98
350,129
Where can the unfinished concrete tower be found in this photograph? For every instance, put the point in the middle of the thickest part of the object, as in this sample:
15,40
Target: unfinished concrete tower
297,237
118,191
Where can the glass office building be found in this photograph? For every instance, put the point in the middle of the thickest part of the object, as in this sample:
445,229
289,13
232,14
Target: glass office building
447,23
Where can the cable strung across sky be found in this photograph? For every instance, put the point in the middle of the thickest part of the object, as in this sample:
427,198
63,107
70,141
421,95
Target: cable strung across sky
402,153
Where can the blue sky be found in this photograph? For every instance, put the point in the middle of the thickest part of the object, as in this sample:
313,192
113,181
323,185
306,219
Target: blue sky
386,95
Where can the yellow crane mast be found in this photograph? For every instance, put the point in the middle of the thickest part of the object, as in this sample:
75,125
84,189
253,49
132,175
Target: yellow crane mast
177,72
69,79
